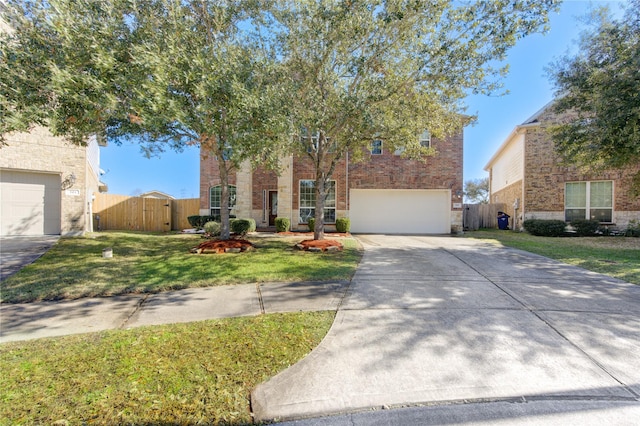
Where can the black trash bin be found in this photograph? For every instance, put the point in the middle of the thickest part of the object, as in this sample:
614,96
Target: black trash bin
503,220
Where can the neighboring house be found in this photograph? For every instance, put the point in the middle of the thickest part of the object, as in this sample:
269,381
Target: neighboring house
47,185
157,194
386,193
528,176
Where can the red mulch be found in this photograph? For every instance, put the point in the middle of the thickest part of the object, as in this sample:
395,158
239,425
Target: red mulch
322,244
219,246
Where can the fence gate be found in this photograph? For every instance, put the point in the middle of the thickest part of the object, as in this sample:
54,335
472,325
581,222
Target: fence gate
121,212
476,216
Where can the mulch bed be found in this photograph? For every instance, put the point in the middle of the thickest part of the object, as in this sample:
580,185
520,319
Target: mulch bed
238,245
322,245
223,246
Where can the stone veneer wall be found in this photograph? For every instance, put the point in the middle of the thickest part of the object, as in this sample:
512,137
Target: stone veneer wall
40,151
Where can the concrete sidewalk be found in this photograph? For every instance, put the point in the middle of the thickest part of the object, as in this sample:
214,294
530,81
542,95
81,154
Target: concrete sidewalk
449,324
48,319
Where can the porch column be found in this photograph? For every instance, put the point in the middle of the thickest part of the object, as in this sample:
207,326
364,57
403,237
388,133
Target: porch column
285,190
244,191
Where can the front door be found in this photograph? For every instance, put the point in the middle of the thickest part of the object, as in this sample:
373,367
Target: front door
273,207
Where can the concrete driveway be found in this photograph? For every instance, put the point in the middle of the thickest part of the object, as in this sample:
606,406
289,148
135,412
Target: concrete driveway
17,252
467,330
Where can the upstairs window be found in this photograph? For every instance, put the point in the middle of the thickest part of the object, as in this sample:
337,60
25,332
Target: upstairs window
310,141
376,147
425,139
589,200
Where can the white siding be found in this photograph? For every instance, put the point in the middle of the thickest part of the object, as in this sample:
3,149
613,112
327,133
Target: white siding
509,166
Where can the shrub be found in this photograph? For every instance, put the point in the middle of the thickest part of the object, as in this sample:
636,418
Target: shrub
212,229
283,224
198,221
633,229
311,224
544,228
343,224
242,226
584,227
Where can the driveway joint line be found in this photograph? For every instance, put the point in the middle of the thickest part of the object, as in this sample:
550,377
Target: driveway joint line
538,315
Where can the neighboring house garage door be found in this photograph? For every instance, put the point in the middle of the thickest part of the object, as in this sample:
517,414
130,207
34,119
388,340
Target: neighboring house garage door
29,203
400,211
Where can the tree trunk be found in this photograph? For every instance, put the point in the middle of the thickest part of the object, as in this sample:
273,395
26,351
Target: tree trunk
225,232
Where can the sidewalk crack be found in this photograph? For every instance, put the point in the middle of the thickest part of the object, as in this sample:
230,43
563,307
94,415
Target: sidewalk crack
135,311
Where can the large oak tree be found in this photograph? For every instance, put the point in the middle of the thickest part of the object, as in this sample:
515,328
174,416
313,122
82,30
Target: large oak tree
389,69
161,72
600,89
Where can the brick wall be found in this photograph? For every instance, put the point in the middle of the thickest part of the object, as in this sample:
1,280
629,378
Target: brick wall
545,176
389,171
210,176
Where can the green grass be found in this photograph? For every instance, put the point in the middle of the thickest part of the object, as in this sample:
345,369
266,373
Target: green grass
147,263
614,256
197,373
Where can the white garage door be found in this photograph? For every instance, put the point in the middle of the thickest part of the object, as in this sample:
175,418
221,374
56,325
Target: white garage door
400,211
29,203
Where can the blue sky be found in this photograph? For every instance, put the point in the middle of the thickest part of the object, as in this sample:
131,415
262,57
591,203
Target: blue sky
128,172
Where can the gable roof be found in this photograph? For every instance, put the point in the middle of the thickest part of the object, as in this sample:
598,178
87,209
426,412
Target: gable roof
529,122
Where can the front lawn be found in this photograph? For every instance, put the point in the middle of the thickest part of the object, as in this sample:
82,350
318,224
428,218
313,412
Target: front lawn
148,263
195,373
614,256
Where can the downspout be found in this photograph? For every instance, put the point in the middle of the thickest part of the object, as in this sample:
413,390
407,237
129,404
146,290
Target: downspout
346,190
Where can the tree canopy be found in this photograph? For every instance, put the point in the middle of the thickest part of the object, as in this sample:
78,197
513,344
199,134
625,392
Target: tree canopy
600,89
364,70
257,80
477,190
165,73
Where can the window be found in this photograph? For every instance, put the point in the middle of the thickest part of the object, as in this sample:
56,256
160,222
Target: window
376,147
215,197
589,200
425,139
311,141
308,201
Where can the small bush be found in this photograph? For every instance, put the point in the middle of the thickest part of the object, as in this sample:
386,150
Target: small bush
544,228
242,226
311,223
283,224
198,221
343,224
212,229
633,229
585,228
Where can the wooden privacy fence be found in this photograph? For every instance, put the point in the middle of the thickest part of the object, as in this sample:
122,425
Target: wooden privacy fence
125,213
476,216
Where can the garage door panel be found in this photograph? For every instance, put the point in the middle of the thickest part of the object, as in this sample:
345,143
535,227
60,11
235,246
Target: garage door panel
400,211
30,203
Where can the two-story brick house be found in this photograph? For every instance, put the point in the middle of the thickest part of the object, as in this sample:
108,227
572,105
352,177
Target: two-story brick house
386,193
529,177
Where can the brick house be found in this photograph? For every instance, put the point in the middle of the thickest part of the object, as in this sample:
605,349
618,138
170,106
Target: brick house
386,193
47,184
527,175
